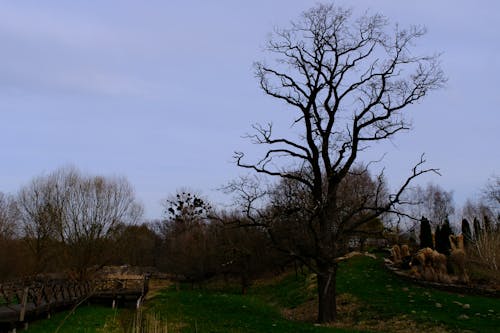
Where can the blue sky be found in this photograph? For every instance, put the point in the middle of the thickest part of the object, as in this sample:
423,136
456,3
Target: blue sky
162,91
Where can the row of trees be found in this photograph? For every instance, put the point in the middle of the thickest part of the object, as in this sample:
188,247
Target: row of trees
200,242
264,232
70,221
481,242
66,219
437,208
480,237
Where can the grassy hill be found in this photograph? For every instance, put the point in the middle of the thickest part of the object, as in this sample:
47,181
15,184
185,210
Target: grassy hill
370,300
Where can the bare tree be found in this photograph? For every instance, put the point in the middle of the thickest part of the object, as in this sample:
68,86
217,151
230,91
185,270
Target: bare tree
243,252
491,196
484,246
8,216
188,243
186,208
12,263
349,82
75,213
290,205
41,204
134,244
432,202
95,207
476,210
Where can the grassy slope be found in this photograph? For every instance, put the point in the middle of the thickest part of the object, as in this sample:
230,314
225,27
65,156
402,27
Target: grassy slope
382,296
385,296
210,311
390,296
86,319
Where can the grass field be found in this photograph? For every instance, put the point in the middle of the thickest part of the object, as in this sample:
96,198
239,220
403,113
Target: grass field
87,319
386,296
371,299
209,311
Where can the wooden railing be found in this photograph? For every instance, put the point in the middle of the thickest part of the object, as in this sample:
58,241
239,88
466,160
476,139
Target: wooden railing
25,300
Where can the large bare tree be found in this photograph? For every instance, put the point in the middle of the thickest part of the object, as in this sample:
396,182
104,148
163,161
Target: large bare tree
95,206
349,82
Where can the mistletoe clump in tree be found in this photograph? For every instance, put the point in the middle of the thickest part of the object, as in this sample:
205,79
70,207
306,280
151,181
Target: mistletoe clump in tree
188,240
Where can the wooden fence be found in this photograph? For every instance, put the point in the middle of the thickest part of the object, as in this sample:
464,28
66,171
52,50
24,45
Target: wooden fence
23,301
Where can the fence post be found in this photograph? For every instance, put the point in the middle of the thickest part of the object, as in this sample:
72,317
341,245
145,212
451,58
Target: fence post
145,284
24,302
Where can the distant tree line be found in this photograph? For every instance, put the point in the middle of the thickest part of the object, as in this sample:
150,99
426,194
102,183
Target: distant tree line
479,228
74,223
65,221
70,222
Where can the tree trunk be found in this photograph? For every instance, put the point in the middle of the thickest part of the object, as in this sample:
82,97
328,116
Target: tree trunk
362,242
327,309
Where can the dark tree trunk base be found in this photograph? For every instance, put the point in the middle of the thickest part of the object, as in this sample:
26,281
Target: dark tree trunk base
327,306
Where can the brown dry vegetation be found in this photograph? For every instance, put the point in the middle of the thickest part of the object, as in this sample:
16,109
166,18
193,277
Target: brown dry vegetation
349,309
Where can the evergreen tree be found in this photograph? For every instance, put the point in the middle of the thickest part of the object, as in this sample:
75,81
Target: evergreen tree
466,232
487,224
477,229
443,240
425,233
437,238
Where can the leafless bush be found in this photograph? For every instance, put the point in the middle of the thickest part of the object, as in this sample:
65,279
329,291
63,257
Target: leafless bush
486,250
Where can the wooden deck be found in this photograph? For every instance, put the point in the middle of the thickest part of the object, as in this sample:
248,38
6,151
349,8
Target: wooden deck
21,302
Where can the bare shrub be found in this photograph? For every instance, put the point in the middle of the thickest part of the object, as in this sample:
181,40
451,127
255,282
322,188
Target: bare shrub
486,250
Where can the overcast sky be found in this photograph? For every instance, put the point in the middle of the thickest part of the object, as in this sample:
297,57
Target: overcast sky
162,91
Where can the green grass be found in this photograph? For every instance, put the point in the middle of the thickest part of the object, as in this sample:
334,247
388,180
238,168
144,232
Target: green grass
387,295
381,295
289,292
86,319
5,301
209,311
384,296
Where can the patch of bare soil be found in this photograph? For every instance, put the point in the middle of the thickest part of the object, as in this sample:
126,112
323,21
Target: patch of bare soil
350,316
400,324
305,312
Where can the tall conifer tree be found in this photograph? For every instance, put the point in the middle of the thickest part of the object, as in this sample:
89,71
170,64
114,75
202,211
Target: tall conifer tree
466,232
477,229
425,233
443,240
